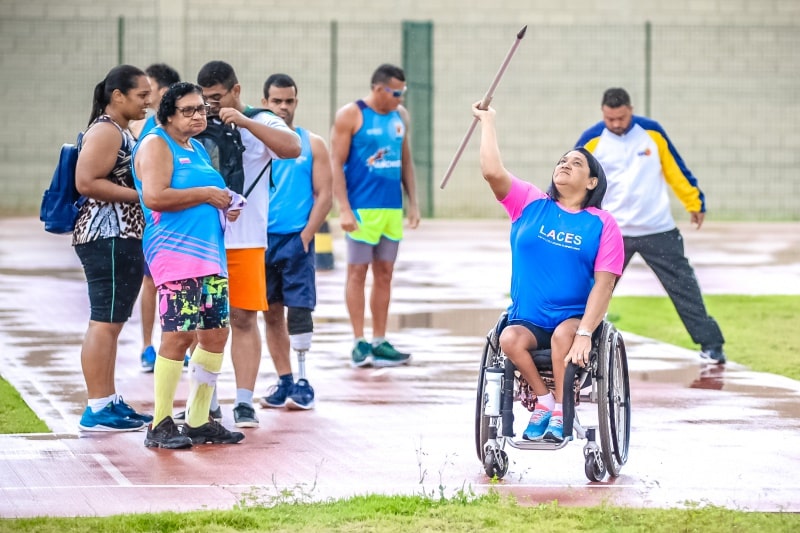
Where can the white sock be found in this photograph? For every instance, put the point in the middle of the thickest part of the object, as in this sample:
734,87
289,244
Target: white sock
98,404
359,339
548,400
214,401
377,340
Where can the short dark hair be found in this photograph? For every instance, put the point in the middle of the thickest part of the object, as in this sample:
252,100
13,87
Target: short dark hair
594,197
176,91
215,72
616,97
164,74
281,81
386,72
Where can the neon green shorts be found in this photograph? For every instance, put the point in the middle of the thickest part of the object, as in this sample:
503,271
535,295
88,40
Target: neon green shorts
376,222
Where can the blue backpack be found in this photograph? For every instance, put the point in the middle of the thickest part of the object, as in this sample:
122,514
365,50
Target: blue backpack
61,201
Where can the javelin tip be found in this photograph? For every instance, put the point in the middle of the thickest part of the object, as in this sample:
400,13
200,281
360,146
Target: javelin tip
521,33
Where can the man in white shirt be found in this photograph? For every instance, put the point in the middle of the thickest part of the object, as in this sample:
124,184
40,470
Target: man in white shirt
640,161
265,136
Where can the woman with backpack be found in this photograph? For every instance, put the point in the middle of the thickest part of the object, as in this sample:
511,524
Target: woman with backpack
108,241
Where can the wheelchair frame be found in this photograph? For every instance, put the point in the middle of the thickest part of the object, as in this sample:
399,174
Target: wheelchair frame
606,373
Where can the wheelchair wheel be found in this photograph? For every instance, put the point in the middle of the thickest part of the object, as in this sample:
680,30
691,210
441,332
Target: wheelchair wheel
594,467
614,402
481,421
496,464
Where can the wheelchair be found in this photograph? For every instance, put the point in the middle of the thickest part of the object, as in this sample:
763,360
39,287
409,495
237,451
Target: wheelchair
603,381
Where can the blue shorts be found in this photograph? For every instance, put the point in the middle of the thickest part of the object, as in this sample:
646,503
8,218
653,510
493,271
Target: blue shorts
291,278
542,335
194,303
113,269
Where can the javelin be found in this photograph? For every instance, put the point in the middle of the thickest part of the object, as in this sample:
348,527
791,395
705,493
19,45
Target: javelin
484,104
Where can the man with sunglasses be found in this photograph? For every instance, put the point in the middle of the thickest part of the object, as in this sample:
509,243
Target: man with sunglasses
264,136
372,165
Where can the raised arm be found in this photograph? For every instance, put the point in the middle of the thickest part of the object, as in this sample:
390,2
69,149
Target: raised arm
492,168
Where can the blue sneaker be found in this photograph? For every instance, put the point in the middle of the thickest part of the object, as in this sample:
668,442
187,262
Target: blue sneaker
361,355
538,424
126,410
148,359
277,394
302,396
555,429
108,419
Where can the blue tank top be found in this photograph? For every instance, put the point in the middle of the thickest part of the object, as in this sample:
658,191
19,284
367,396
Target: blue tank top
292,198
373,168
188,243
149,124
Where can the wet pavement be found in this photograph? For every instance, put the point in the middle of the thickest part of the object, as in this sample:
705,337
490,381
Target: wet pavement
700,434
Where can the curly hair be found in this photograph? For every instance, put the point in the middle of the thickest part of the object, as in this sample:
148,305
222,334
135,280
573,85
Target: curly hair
176,91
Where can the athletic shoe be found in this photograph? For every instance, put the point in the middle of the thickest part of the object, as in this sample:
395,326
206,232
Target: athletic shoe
216,414
123,408
148,359
212,432
108,419
555,429
361,354
302,396
714,355
166,435
538,423
277,394
385,354
244,416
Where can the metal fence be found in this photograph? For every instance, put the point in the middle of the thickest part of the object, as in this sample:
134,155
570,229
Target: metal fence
727,96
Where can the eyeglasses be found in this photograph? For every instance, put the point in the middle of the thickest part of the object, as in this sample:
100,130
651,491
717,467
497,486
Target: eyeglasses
397,93
189,112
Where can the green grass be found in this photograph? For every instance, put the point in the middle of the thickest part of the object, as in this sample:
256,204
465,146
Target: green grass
15,415
760,331
395,514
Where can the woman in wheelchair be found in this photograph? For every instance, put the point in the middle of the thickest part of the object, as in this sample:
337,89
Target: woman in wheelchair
566,256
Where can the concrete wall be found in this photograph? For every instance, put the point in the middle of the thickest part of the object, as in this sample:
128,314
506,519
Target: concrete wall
724,80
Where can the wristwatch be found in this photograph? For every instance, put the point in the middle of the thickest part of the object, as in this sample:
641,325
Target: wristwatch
583,333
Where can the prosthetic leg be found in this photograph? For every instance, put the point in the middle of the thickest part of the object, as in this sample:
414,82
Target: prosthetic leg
301,327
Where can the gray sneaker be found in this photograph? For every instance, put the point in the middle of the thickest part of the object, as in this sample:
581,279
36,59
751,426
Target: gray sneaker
384,355
714,355
361,355
244,416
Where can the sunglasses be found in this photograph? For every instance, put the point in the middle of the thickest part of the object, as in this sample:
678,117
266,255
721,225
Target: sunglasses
397,93
189,111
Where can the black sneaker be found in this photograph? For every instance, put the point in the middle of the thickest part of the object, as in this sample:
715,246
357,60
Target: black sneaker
166,435
212,432
216,414
244,416
714,355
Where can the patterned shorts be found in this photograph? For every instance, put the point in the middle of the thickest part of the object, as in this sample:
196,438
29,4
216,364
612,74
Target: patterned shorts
194,303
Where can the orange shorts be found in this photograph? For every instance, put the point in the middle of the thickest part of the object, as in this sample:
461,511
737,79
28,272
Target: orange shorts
247,280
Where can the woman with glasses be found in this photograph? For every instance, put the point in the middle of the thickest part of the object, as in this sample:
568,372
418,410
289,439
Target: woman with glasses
108,240
186,206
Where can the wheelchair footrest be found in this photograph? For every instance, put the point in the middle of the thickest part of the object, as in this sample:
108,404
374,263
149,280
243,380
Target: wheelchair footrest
522,444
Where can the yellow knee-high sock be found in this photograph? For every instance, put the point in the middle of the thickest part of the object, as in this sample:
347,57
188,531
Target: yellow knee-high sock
166,375
203,370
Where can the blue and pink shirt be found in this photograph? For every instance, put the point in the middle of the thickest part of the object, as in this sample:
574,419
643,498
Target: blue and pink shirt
554,255
188,243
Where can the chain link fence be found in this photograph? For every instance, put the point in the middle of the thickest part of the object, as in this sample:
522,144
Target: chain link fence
727,96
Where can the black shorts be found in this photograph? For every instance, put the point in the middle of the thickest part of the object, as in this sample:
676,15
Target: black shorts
114,268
